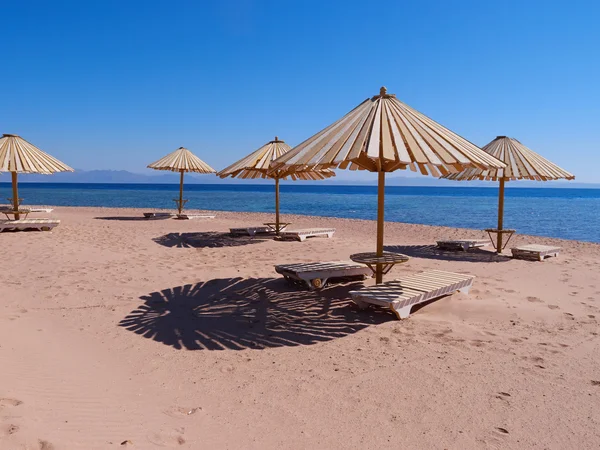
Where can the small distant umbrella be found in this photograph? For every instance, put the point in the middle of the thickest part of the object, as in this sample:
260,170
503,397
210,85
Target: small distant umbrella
19,156
258,165
521,162
381,135
181,160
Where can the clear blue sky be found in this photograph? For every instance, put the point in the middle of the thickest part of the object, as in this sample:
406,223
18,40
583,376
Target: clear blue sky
117,84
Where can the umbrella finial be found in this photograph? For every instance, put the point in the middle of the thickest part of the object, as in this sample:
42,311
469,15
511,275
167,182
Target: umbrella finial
276,138
383,91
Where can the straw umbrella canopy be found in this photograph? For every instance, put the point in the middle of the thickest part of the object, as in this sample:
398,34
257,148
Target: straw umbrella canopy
181,160
381,135
19,156
258,165
521,163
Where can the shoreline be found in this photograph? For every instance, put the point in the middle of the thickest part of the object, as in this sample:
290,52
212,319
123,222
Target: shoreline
265,216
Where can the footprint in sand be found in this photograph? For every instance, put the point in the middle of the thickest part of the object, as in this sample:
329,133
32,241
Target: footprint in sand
180,411
4,402
553,307
7,430
45,445
534,300
167,438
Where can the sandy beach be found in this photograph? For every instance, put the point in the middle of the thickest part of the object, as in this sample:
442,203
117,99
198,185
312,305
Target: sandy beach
119,332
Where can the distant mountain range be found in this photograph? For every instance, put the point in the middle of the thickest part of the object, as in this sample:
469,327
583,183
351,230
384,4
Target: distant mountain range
123,176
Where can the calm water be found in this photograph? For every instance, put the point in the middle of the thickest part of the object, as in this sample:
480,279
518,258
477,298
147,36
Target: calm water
563,213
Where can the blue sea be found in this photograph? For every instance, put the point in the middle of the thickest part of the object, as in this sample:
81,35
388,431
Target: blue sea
561,213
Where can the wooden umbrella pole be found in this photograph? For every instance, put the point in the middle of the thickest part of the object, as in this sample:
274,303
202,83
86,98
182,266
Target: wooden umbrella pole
15,189
277,206
500,215
180,192
380,223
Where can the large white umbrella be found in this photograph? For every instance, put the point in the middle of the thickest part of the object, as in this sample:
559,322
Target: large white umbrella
381,135
181,160
19,156
521,163
258,165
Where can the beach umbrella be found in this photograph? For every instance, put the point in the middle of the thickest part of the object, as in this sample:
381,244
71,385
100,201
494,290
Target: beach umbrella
181,160
258,165
381,135
521,163
19,156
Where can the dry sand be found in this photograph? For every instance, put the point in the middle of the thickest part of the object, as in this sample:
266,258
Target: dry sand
124,333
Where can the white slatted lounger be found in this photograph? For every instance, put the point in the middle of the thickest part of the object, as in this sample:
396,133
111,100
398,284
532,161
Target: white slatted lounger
31,209
316,275
251,231
535,252
464,244
401,295
185,216
303,234
157,215
28,224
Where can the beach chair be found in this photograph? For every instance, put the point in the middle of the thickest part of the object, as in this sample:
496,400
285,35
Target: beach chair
401,295
315,275
462,244
31,209
28,224
158,215
304,234
190,216
251,231
534,252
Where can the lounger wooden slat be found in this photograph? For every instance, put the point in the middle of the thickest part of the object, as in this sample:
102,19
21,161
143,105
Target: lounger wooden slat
302,235
461,244
401,295
315,275
534,252
28,224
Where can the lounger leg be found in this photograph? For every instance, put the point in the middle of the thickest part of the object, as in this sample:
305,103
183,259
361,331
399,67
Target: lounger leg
401,313
302,238
360,304
465,247
329,235
465,290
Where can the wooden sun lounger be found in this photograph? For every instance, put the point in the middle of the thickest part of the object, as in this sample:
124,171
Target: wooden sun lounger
29,224
462,244
303,234
401,295
316,275
534,252
186,216
31,209
251,231
157,215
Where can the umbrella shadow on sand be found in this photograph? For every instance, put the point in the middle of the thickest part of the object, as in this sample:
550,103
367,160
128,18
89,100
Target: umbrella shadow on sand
433,252
238,313
210,239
